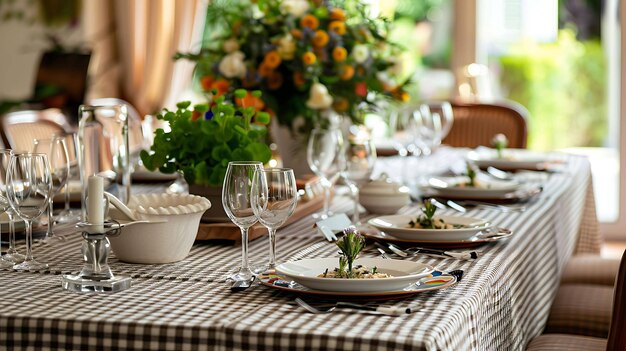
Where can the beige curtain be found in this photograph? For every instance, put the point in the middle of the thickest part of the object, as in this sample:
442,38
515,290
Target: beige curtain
133,43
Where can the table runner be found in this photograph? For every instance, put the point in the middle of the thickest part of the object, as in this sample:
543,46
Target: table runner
502,302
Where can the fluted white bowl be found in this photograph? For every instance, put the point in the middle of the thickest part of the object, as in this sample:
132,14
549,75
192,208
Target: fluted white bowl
170,239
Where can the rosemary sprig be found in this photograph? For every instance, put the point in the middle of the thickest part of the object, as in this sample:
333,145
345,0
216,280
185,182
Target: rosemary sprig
350,245
471,174
426,220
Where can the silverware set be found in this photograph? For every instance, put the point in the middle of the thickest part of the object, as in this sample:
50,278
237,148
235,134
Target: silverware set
323,308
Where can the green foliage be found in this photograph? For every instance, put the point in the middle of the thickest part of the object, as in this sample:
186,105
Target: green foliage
201,145
563,86
350,245
427,219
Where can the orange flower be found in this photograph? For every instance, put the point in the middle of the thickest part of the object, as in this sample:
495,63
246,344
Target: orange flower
360,89
275,80
206,82
221,86
195,115
296,33
404,96
320,39
346,72
339,54
272,59
264,69
337,27
337,14
309,58
250,100
309,21
341,104
298,79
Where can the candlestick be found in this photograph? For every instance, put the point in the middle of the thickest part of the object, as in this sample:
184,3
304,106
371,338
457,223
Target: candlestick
95,205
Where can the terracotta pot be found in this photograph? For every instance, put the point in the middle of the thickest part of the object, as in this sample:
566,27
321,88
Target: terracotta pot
214,194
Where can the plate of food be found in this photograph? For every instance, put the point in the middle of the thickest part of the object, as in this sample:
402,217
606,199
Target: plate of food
462,187
512,159
367,274
437,228
427,283
492,235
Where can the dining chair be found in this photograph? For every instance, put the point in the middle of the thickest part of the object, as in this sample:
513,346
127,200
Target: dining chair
590,269
20,128
616,339
475,124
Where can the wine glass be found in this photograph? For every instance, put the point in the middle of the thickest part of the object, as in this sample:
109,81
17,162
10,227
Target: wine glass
12,255
274,199
238,207
29,185
360,160
326,160
58,160
69,215
435,123
6,261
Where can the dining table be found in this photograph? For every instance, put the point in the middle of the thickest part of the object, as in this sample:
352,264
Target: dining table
501,303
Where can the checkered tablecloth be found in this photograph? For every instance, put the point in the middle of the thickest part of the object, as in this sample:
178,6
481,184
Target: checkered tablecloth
501,303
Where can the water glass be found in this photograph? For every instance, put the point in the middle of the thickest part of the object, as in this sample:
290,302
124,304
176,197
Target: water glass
6,261
29,185
359,163
274,199
326,159
236,199
69,215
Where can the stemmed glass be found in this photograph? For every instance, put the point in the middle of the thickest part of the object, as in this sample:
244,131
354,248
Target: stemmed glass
29,185
326,159
5,262
435,123
58,161
360,160
236,194
274,199
68,215
12,255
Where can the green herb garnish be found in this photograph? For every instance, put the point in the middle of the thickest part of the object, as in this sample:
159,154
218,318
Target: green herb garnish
471,174
350,245
500,142
426,220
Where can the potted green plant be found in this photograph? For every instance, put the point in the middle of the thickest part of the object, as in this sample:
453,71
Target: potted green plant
202,141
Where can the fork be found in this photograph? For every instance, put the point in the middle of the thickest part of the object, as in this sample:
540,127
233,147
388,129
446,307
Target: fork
389,311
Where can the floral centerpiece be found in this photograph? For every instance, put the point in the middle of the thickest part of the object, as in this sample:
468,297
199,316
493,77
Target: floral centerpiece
306,56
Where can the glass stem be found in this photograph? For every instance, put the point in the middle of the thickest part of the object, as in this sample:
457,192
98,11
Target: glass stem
67,197
356,219
272,235
244,249
12,249
29,241
49,233
327,186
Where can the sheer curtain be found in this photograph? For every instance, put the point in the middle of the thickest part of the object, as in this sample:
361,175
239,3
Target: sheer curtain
133,43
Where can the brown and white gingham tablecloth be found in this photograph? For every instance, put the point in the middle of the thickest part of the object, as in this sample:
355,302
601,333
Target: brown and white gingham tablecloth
502,302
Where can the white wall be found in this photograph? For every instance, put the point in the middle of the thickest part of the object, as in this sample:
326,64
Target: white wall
21,44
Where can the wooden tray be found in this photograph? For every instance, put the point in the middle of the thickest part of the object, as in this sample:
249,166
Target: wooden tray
229,231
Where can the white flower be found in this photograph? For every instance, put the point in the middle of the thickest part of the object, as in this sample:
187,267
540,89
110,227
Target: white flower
360,53
232,65
230,45
319,98
297,8
286,48
500,141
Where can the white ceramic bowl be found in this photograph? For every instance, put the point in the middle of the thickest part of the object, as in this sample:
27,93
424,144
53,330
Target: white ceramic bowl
382,196
164,242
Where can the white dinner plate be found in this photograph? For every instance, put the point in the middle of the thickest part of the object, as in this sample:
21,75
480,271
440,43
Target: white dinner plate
398,226
427,283
512,159
451,187
305,272
487,236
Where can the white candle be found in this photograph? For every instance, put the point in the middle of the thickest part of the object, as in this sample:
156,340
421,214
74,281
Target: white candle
95,205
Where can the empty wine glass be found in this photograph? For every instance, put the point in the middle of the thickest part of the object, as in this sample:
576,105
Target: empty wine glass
28,188
436,121
58,160
274,199
5,261
12,255
69,215
326,160
360,160
238,207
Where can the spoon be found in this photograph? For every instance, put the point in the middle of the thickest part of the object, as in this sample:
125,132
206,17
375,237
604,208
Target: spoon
118,204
